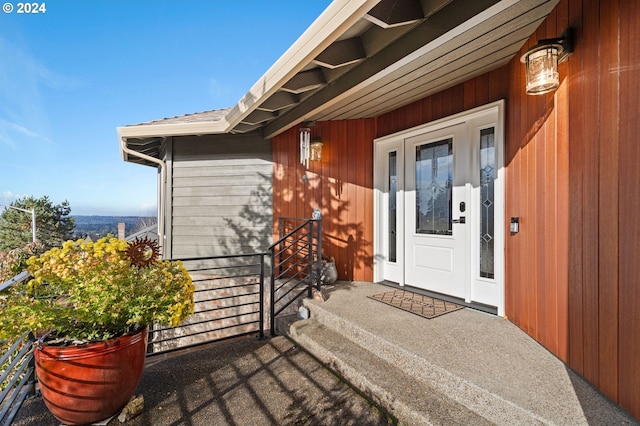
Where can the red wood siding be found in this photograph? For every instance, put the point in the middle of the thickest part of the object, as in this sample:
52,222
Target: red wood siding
473,93
572,177
572,272
536,158
341,185
627,238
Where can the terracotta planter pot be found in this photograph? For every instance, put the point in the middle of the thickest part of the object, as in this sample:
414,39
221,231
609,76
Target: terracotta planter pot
90,383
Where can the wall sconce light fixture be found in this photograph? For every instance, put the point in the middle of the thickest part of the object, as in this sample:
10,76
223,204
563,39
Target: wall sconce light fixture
310,149
541,63
315,149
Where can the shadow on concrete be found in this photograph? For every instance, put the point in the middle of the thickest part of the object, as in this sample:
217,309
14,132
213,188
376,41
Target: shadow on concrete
240,382
594,403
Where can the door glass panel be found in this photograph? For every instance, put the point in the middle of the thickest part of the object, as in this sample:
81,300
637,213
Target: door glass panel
487,201
393,190
434,182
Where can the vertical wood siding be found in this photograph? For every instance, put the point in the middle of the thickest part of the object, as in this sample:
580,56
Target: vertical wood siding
341,186
572,178
573,271
480,91
536,191
221,195
592,121
627,237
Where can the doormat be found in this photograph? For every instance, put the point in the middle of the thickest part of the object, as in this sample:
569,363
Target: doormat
418,304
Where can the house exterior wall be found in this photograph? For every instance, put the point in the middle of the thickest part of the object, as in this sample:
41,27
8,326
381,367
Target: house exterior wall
220,200
571,273
341,185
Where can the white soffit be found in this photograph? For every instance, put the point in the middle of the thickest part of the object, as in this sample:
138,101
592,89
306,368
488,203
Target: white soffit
336,19
484,42
345,67
339,16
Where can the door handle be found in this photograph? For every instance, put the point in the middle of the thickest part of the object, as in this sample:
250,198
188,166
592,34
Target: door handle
461,220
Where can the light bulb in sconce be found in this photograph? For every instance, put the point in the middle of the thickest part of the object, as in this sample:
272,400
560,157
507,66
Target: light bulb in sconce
541,63
315,149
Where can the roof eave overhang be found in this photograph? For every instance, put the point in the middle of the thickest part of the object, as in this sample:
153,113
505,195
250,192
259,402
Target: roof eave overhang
328,105
331,24
253,112
339,16
149,131
176,129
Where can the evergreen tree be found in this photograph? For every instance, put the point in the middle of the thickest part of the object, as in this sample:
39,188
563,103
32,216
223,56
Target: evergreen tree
53,223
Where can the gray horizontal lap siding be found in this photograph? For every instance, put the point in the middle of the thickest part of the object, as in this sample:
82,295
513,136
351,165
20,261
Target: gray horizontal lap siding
221,195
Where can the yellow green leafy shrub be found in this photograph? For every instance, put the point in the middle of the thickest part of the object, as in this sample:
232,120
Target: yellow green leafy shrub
87,291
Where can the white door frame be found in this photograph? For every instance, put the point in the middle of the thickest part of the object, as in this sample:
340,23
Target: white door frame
381,200
495,109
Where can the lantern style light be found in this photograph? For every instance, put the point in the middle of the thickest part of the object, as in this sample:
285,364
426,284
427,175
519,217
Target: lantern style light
315,149
541,63
310,148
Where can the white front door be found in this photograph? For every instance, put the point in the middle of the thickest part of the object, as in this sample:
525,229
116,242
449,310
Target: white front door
439,207
436,179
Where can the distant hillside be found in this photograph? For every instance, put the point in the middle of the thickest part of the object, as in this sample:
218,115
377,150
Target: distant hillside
100,226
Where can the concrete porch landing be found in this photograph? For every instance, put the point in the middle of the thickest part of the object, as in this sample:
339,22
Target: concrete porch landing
465,367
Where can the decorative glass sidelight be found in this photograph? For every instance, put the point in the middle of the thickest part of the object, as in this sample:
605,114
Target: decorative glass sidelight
487,201
393,194
434,183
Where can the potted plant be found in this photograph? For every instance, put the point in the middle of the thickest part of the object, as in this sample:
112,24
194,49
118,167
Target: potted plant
89,305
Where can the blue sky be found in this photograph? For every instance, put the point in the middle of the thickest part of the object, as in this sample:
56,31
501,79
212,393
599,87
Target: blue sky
71,75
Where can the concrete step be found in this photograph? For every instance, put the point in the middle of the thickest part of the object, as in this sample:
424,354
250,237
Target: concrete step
410,401
404,384
480,363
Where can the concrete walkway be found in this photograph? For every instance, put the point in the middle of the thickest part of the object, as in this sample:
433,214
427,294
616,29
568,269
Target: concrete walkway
462,368
465,367
243,382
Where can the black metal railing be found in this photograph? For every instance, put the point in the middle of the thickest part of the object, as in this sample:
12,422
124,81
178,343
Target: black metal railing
229,302
235,295
243,294
295,264
290,226
17,368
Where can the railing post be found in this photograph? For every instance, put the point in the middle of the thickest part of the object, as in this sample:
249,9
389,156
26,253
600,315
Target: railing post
311,263
319,264
272,293
262,310
150,337
32,365
281,234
